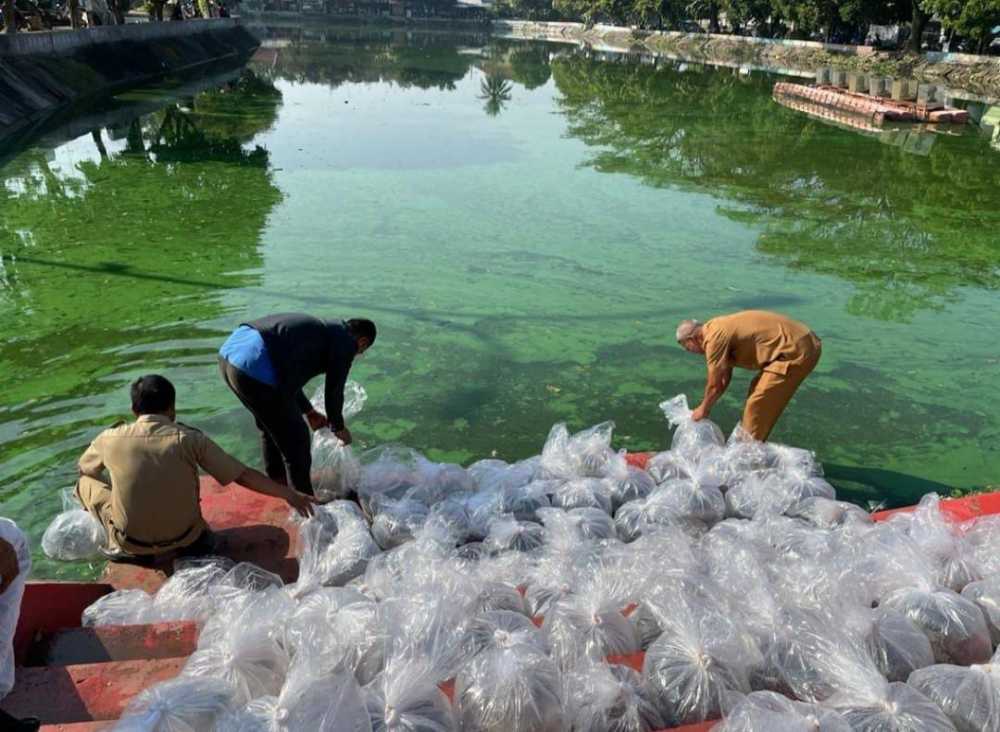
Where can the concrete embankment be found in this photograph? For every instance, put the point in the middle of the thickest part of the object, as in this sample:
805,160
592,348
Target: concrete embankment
41,73
977,75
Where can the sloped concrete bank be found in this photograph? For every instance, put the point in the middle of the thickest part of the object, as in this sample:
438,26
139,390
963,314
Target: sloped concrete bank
41,73
978,75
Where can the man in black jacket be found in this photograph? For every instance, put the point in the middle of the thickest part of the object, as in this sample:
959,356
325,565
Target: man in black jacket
267,362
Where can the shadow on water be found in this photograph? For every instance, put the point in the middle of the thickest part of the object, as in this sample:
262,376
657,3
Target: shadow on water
880,487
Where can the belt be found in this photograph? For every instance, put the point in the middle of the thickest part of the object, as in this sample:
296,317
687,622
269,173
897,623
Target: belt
152,545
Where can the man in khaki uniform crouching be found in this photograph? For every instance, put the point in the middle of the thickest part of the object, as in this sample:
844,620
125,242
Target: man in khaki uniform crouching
140,479
783,350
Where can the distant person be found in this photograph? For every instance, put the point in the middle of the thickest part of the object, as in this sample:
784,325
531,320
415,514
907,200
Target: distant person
783,350
140,479
15,564
267,362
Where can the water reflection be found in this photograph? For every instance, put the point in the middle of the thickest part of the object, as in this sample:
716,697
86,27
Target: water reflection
908,230
121,238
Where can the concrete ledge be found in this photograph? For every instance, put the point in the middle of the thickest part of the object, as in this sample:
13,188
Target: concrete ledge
44,72
66,42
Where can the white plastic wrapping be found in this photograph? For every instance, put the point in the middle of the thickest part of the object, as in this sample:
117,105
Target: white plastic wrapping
766,711
986,595
610,698
500,629
73,535
512,688
699,659
969,696
586,454
121,607
405,698
179,705
335,545
10,601
691,438
954,625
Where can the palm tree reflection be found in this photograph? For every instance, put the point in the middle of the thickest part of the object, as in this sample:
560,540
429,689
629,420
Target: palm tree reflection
495,89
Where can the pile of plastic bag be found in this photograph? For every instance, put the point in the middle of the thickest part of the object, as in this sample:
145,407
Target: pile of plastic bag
575,591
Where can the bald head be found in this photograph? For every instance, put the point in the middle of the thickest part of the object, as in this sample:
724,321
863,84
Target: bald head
689,335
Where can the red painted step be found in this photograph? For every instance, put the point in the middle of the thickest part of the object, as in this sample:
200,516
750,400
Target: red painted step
101,726
958,509
87,692
247,527
115,643
51,606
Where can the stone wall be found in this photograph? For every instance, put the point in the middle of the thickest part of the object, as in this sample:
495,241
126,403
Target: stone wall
969,76
41,73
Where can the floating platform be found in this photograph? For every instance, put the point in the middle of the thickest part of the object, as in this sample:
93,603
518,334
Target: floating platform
78,679
865,110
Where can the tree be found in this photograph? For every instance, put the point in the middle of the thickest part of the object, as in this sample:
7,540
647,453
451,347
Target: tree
9,16
973,19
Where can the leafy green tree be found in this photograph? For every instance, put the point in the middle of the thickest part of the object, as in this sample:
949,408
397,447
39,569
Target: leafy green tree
973,19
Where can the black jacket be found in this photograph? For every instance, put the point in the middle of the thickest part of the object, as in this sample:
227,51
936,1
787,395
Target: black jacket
301,347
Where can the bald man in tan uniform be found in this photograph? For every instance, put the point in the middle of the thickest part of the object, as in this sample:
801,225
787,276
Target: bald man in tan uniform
140,479
783,350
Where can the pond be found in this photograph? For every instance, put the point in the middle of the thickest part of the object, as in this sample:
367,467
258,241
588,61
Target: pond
526,224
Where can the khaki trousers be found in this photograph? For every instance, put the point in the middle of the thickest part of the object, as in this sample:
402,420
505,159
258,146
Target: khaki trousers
95,495
773,388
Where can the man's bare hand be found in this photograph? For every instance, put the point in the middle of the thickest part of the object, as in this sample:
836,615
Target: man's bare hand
699,413
344,436
303,504
317,420
9,566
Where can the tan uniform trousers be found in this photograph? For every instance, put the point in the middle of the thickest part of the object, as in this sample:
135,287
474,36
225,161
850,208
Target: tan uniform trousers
773,388
95,495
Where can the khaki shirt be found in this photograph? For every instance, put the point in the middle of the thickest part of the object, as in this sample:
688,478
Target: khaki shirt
153,468
756,340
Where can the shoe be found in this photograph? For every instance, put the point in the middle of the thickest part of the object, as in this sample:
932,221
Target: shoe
12,724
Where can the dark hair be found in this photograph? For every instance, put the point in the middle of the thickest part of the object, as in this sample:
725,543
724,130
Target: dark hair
362,328
152,394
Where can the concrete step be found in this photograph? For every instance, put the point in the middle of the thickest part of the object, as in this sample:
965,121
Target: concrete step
86,692
114,643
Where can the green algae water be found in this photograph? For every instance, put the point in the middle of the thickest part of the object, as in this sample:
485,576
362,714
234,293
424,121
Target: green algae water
526,224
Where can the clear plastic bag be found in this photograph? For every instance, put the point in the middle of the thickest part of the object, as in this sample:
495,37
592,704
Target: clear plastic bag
73,535
388,473
826,513
192,591
405,698
584,493
179,705
308,627
335,546
970,697
986,595
690,438
500,629
511,688
900,709
355,397
121,607
954,625
897,646
766,711
336,471
773,492
689,502
587,626
586,454
629,484
245,656
610,698
396,522
567,529
509,534
668,465
701,657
